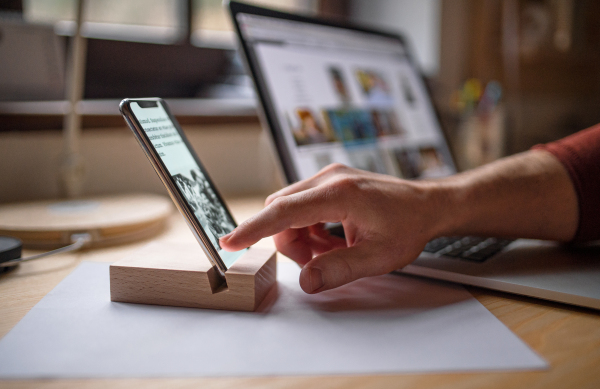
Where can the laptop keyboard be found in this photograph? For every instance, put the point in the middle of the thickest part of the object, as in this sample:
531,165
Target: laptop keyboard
471,248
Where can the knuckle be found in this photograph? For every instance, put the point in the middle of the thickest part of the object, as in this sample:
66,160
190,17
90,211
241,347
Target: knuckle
334,168
280,204
347,184
270,199
339,273
348,274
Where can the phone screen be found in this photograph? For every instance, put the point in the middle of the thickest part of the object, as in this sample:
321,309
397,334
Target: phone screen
187,174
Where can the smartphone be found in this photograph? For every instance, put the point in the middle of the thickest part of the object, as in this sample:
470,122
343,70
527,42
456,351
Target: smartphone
182,173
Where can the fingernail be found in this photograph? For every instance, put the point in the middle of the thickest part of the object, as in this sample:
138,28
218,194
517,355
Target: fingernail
315,278
225,238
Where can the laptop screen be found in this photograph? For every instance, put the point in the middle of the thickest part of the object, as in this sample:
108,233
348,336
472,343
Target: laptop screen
334,94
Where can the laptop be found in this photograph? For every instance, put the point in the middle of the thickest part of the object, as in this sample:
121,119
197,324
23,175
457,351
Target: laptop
332,92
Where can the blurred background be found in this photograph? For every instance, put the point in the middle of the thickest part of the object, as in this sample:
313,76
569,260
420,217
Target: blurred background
538,59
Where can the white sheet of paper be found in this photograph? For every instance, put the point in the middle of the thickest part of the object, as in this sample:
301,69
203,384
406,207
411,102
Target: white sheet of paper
388,324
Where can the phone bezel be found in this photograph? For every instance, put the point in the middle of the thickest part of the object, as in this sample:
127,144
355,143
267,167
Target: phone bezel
164,175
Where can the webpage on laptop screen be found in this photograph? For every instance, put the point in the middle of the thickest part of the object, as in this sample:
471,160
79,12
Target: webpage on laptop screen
346,96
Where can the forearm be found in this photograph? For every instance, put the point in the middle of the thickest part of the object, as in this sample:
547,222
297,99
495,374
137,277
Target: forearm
528,195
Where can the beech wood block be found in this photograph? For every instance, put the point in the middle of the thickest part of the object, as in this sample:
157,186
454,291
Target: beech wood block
180,275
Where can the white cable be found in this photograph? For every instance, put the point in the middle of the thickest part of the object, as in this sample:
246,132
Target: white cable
79,240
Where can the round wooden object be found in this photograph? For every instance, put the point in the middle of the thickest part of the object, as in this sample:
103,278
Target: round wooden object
109,219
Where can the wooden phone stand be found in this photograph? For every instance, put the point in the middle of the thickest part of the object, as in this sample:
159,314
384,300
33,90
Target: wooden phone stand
180,275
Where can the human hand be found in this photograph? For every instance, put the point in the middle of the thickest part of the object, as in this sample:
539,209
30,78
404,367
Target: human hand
387,222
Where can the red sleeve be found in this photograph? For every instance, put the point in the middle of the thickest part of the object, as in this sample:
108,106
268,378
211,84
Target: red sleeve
580,154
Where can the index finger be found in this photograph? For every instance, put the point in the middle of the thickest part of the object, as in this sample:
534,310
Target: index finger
308,183
298,210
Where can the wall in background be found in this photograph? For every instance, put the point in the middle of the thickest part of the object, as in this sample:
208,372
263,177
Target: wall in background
419,20
238,158
551,86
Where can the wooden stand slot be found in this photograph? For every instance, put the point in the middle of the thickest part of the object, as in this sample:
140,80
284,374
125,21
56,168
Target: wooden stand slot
180,275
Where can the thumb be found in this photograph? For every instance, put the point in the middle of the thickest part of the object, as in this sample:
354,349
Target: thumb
341,266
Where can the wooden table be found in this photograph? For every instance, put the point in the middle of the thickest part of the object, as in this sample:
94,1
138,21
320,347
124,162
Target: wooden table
568,338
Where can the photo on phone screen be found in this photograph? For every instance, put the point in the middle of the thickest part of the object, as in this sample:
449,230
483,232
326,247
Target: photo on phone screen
187,174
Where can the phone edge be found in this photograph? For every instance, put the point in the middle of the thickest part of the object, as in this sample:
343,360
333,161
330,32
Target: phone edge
164,177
